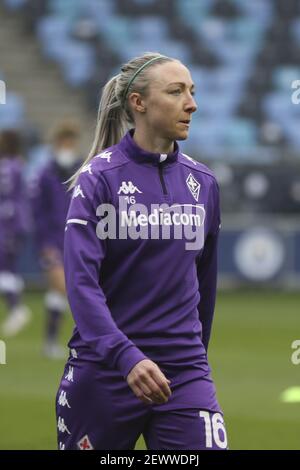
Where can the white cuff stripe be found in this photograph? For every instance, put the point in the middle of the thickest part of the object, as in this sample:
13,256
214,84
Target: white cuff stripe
77,221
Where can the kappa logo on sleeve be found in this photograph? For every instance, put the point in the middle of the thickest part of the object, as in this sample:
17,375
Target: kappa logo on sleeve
194,186
87,168
85,443
78,192
106,155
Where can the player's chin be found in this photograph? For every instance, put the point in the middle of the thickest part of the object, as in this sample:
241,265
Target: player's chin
182,134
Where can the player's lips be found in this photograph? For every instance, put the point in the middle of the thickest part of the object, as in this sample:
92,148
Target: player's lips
186,122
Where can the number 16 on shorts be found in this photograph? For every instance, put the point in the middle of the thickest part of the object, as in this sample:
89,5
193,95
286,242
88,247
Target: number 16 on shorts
215,432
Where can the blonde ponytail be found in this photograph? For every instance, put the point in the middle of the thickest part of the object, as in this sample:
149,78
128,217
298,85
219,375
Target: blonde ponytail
114,115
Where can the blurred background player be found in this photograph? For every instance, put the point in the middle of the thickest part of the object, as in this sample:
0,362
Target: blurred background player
14,224
50,205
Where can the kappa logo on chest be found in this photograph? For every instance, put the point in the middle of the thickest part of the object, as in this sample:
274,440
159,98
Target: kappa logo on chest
128,188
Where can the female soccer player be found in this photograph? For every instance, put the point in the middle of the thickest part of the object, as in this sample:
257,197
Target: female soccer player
140,259
50,206
14,225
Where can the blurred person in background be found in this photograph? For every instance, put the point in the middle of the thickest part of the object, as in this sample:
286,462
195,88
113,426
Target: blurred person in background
143,306
14,225
50,205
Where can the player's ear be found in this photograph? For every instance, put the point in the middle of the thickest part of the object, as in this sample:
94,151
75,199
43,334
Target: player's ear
137,102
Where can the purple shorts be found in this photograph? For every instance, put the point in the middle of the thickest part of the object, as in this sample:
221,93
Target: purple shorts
96,409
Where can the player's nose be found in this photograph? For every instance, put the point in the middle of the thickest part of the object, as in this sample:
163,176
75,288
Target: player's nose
191,105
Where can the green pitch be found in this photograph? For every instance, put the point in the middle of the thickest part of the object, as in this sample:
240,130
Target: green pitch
250,355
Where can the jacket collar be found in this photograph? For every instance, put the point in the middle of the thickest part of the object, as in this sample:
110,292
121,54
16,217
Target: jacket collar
136,153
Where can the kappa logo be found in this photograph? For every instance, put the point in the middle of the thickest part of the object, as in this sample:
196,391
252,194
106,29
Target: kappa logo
87,168
74,353
106,155
62,427
78,192
70,374
85,443
63,401
193,186
128,188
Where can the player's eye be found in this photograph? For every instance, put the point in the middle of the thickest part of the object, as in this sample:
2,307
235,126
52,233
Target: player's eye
175,92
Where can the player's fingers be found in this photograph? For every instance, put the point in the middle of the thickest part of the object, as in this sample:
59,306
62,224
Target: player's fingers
145,389
146,400
151,389
140,395
162,384
161,381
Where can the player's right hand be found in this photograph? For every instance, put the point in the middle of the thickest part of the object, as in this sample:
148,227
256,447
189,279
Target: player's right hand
148,382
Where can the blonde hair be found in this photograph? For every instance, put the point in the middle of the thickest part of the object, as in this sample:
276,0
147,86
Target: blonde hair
114,114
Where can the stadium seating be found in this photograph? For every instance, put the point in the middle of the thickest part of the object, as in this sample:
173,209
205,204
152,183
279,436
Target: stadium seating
14,4
242,57
13,112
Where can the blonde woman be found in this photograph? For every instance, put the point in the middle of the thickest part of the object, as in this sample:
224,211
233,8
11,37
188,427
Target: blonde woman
140,260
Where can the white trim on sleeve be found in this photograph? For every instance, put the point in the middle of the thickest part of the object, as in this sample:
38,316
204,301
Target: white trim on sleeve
77,221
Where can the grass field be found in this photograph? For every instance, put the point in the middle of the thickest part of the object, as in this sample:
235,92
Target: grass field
250,355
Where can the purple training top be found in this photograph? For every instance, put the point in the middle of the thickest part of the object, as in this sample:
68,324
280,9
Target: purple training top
51,201
14,209
140,296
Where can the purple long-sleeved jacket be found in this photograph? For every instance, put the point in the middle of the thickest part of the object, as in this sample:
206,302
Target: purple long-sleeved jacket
50,202
141,293
14,207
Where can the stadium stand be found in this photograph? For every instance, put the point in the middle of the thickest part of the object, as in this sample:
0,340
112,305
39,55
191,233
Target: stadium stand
243,57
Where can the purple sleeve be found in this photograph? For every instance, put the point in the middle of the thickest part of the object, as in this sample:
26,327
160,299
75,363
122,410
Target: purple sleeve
40,209
23,215
207,271
83,254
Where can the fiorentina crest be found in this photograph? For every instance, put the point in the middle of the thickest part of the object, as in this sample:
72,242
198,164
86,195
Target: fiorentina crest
85,443
193,186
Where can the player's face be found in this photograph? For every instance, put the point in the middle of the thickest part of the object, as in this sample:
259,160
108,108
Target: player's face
170,101
67,143
66,152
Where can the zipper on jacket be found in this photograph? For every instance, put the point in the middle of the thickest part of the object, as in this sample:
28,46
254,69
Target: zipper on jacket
161,177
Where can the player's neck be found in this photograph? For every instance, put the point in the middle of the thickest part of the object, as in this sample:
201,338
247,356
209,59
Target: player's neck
152,143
